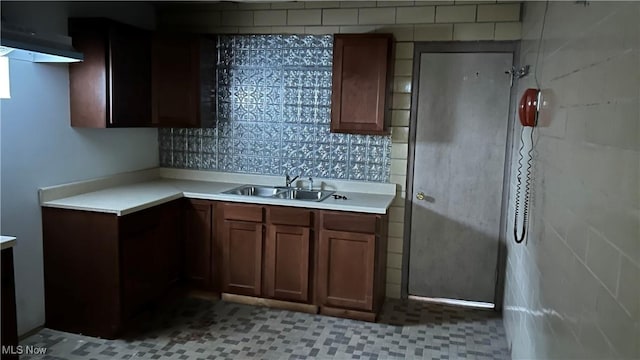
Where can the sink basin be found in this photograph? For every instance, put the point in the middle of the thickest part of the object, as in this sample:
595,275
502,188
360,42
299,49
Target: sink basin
280,192
254,190
308,195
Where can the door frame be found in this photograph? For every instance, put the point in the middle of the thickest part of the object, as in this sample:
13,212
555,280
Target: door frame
512,47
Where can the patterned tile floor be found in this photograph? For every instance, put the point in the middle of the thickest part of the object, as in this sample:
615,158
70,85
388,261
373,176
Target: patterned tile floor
200,329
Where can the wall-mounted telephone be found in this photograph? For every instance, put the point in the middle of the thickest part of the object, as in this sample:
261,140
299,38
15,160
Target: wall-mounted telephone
528,110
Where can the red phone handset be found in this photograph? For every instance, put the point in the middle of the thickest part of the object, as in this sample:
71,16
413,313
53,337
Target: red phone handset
528,109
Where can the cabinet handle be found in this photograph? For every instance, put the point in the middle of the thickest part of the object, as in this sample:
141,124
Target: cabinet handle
420,196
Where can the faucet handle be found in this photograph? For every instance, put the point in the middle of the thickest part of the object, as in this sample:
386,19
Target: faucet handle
289,180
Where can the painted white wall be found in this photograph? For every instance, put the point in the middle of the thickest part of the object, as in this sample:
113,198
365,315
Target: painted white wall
573,289
39,148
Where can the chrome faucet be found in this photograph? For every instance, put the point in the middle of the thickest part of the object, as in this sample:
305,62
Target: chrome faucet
289,180
310,183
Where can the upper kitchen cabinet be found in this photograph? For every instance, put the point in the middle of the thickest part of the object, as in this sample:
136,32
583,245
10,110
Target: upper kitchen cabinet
183,73
362,69
112,86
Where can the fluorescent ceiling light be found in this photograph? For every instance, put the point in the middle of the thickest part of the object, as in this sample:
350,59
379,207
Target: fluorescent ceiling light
33,56
23,44
5,92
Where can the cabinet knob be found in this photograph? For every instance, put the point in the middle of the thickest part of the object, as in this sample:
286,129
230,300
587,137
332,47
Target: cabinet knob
420,196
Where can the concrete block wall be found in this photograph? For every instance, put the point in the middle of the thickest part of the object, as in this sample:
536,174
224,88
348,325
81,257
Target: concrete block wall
573,289
409,21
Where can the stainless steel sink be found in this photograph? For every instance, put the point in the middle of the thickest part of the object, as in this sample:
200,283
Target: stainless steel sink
280,192
308,195
255,190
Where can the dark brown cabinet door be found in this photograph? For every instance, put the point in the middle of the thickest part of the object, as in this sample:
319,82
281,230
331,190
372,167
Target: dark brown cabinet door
346,269
88,89
9,333
149,248
139,285
112,86
168,245
287,263
198,241
361,83
82,272
242,257
130,74
176,81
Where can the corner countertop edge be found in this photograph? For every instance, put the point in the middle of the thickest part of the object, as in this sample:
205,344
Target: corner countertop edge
7,242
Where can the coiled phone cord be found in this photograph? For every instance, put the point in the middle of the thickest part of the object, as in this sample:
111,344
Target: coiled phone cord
527,183
527,188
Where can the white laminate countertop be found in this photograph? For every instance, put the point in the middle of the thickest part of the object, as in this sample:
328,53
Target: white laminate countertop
125,199
122,199
7,242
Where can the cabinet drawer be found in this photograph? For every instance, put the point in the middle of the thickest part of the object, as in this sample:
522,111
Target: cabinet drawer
289,216
341,221
242,212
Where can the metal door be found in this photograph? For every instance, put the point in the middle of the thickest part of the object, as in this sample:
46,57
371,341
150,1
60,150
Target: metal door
459,161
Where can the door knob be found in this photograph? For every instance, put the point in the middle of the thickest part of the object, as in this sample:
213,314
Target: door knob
420,196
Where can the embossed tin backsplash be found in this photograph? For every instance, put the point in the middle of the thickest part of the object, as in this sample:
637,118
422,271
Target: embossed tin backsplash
273,115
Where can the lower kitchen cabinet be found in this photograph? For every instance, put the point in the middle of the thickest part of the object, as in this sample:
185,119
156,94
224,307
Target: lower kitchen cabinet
242,257
199,271
287,255
331,260
270,256
149,242
138,273
101,269
242,240
9,327
169,267
352,264
346,269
